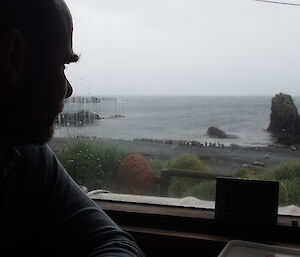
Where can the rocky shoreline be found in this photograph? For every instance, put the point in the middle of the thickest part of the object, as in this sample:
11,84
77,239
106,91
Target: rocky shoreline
181,142
220,159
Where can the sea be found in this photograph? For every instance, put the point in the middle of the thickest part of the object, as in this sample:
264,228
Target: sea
246,118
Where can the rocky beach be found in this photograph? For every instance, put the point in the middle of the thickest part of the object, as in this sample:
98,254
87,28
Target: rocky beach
221,160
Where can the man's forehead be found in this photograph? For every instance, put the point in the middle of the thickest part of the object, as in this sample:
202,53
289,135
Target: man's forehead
61,27
46,25
64,11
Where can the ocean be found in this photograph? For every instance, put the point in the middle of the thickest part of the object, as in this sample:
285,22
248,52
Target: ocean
175,118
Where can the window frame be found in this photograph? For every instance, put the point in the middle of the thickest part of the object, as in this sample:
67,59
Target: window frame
197,224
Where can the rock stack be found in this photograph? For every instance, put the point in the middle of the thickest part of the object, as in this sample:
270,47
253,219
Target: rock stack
214,132
284,120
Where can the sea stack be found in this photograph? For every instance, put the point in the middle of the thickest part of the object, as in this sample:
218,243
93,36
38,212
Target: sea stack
214,132
284,120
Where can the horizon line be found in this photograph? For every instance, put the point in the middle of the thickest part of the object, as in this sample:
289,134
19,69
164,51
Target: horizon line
164,95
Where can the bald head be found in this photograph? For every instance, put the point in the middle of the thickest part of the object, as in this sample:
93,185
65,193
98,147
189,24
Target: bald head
35,45
40,21
28,15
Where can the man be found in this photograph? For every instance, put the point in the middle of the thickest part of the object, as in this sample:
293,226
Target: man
42,210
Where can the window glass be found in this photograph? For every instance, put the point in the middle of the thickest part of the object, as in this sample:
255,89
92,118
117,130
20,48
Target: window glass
170,94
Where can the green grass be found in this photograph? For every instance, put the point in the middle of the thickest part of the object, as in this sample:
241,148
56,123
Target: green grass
181,187
91,164
157,166
288,175
206,190
187,161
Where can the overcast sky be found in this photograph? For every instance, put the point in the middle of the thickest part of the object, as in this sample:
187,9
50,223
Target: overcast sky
185,47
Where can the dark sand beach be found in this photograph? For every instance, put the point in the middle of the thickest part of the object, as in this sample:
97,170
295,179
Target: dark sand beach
221,160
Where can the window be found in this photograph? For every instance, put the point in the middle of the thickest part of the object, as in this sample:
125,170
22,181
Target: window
154,76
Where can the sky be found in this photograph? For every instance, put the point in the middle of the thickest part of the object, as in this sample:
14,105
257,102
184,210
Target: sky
185,47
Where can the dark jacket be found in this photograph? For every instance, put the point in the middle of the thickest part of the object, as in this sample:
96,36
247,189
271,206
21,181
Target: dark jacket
45,213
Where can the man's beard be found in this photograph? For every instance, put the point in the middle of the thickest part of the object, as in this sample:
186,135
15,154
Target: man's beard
43,126
43,136
26,122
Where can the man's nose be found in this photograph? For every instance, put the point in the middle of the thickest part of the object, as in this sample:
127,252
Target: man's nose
69,89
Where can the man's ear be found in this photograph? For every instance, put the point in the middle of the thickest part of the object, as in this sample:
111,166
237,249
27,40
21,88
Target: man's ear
12,48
